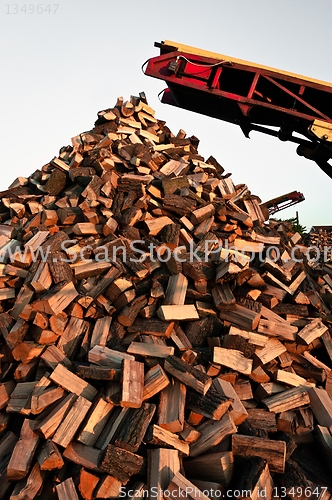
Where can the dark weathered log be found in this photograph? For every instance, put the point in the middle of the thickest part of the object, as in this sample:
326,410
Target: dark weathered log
98,373
120,463
134,427
274,452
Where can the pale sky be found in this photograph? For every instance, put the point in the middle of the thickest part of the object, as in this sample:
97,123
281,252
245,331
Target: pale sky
59,69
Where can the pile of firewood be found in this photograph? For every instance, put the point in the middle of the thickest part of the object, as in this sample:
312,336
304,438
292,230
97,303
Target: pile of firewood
321,241
159,337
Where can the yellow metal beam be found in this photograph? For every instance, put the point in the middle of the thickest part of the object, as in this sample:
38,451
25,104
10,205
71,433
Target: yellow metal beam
322,130
221,57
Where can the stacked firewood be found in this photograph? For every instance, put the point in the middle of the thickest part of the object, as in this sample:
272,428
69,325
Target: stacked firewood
320,238
159,337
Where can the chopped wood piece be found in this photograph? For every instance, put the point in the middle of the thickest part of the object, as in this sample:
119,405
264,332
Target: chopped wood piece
202,214
98,373
157,351
163,465
17,333
292,379
20,398
89,268
266,389
189,434
27,351
28,488
223,297
113,425
128,314
53,356
156,225
171,407
241,316
252,337
278,271
232,359
105,282
6,390
212,432
237,411
163,438
286,421
321,405
178,313
288,400
101,331
312,331
108,357
325,442
109,487
42,279
176,290
213,405
243,389
132,384
87,484
72,336
66,490
259,375
216,466
49,456
188,375
42,397
47,426
23,452
121,464
85,456
198,331
280,330
273,348
153,326
180,486
70,424
57,299
134,427
297,282
262,419
274,452
7,293
277,283
72,383
84,228
256,479
95,422
155,380
22,300
180,339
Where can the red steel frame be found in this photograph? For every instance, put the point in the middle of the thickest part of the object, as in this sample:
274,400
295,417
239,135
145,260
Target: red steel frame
253,97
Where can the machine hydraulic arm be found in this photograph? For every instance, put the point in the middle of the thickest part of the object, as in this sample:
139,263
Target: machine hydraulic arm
284,201
282,104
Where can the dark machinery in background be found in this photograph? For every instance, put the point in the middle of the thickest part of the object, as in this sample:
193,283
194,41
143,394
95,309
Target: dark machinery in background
278,103
284,201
